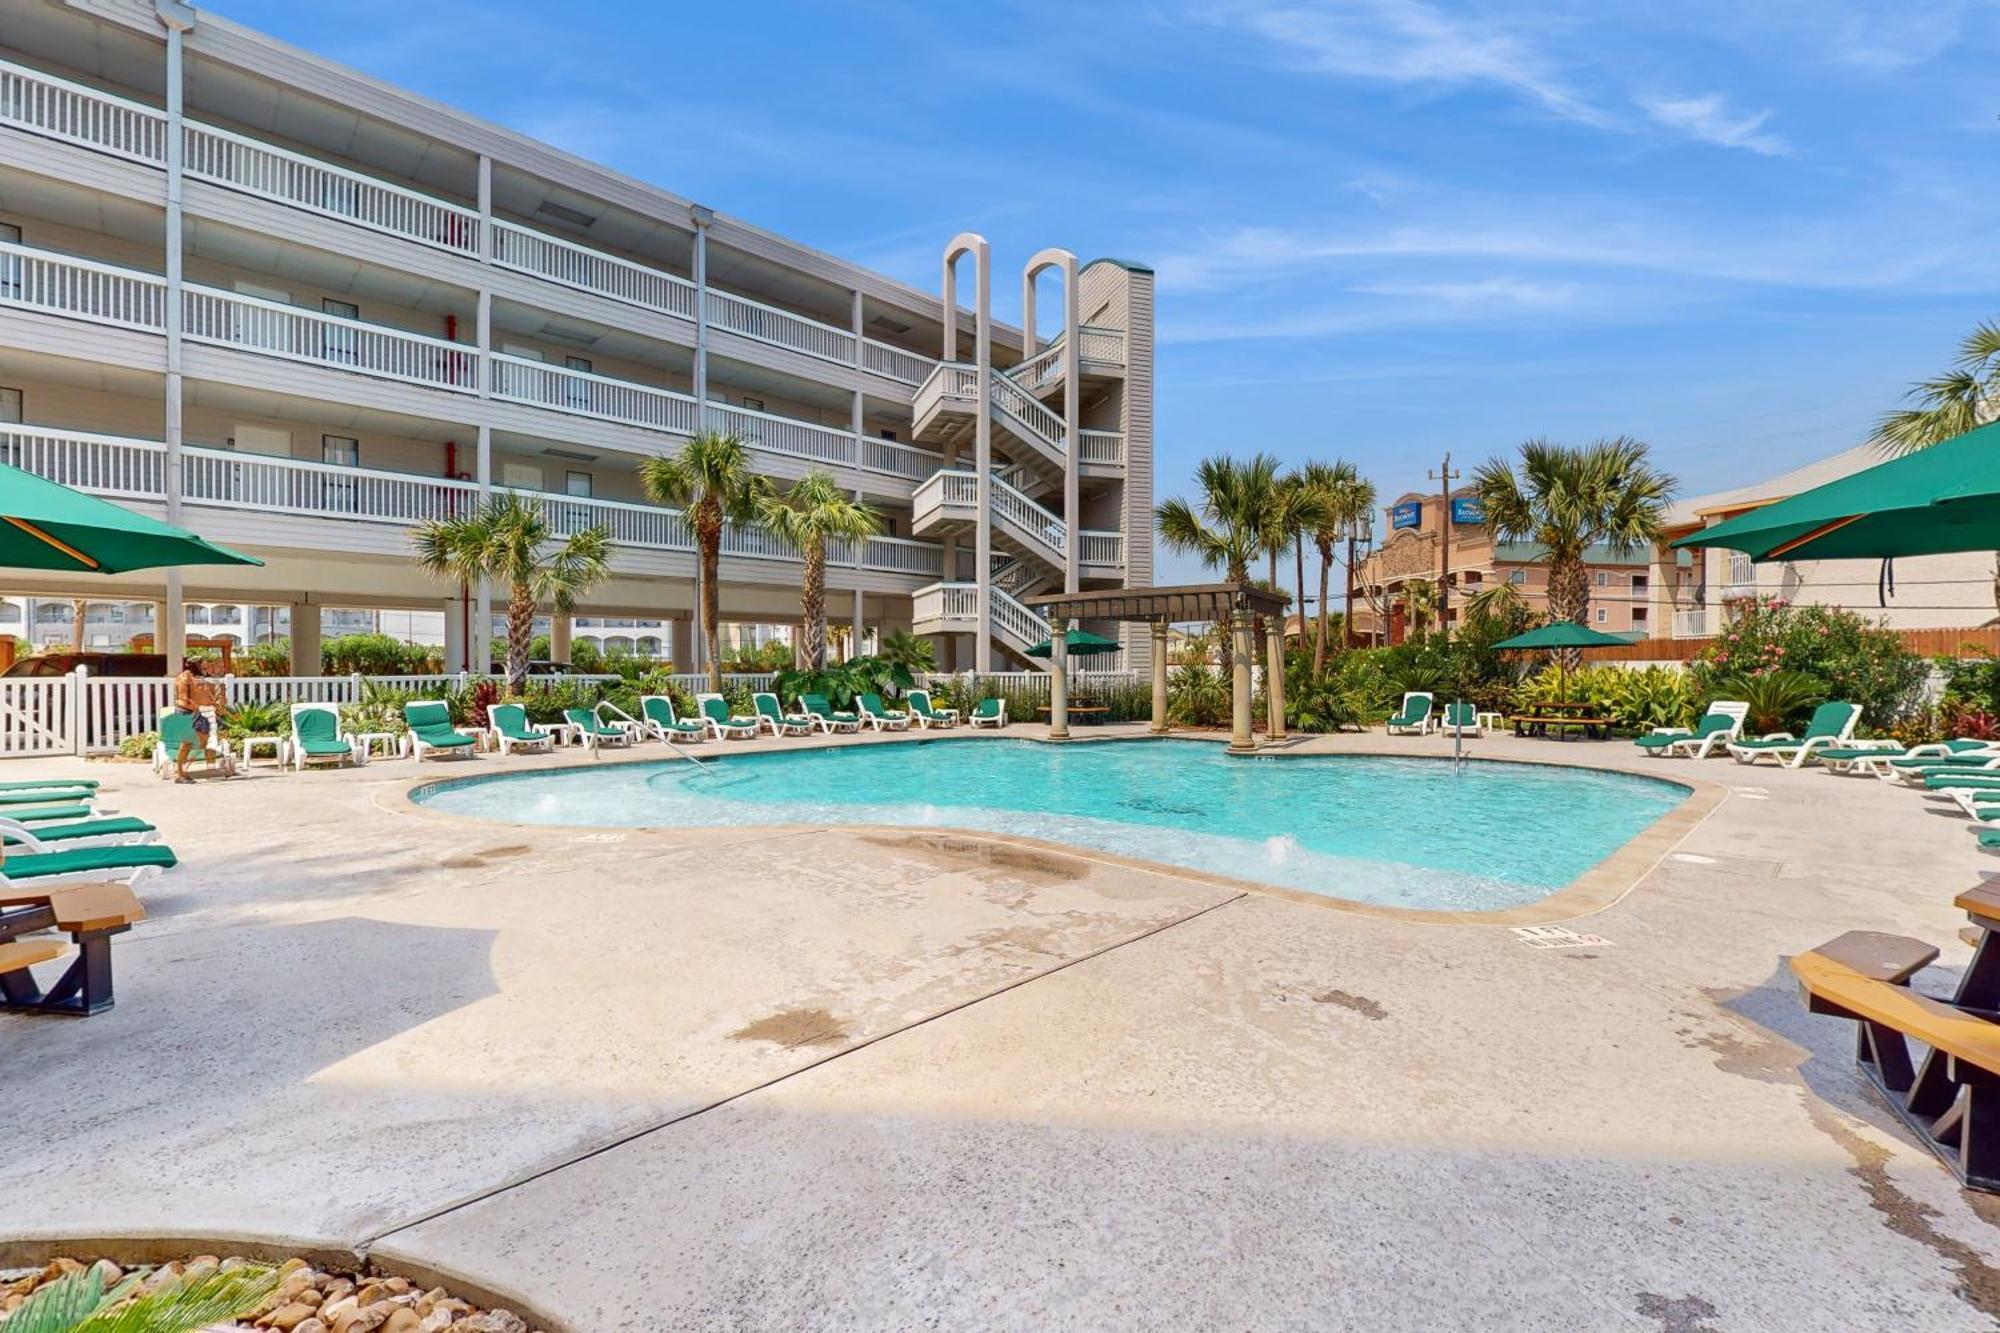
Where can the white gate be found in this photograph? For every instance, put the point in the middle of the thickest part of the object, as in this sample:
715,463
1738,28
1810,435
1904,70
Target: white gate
37,716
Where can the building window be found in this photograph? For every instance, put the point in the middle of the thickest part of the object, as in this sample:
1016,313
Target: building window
1602,615
1640,583
520,476
1742,573
577,484
752,404
1601,579
10,265
1638,615
342,343
577,392
12,406
1517,577
889,435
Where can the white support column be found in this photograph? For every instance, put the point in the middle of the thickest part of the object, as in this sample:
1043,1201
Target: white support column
559,636
178,19
485,209
305,637
481,647
858,358
1242,647
455,637
1159,727
702,218
1058,678
857,623
1274,679
982,452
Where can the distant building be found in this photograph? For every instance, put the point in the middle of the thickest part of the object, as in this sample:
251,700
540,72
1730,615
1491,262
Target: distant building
1622,591
1919,592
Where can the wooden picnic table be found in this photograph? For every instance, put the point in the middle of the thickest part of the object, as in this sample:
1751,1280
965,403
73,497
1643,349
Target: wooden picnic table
1078,712
1539,723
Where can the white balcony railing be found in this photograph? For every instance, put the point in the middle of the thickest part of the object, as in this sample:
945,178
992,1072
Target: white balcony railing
81,288
1699,623
520,380
228,159
1103,548
1104,346
1016,621
1101,446
1029,414
525,251
229,319
955,607
75,113
134,469
800,439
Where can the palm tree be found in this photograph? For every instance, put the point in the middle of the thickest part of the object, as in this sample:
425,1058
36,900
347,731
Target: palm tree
1567,499
1303,506
1496,601
1233,522
711,480
815,509
1963,398
1347,499
1420,606
509,537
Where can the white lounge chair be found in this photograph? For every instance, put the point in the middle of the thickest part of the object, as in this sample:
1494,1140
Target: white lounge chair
1831,725
318,739
1460,719
1721,724
1415,714
509,726
877,715
723,724
771,714
661,723
928,716
989,713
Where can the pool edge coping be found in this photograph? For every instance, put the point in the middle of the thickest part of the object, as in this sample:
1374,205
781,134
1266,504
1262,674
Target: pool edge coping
1598,888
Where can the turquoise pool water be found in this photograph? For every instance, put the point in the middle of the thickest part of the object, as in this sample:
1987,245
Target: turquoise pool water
1403,832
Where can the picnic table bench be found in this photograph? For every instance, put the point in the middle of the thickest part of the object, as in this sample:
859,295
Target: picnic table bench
1538,724
1951,1100
1078,712
90,914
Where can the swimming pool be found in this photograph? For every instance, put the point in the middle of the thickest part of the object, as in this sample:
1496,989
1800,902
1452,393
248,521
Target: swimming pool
1400,832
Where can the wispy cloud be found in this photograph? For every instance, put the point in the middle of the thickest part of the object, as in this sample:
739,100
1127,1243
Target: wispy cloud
1710,119
1410,42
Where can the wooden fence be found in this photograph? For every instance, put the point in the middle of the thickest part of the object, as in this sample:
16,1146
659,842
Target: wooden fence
1980,641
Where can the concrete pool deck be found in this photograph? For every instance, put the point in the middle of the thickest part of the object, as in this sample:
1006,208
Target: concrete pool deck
857,1079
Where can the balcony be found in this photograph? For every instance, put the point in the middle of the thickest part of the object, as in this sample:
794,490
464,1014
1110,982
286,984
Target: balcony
56,108
127,298
123,468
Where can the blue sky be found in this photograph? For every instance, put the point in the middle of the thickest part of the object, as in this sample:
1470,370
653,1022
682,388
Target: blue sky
1383,228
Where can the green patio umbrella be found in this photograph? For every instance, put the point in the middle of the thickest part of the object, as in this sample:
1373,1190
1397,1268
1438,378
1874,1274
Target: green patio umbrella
44,525
1561,634
1080,642
1937,500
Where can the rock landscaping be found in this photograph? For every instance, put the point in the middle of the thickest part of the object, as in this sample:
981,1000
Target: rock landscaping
307,1299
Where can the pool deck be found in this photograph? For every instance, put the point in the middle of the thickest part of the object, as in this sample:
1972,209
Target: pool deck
839,1078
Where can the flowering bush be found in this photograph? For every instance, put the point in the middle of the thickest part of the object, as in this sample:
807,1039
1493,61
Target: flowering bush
1850,658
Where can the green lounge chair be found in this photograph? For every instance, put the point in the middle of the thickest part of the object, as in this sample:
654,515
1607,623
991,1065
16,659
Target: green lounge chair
771,714
44,784
825,716
592,731
509,726
40,814
431,730
723,724
68,795
176,729
1831,725
40,836
1414,715
990,713
927,716
124,863
656,714
879,717
318,739
1721,724
1460,718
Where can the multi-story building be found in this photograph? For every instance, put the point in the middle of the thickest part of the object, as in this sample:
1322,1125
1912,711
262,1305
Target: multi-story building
299,311
1622,591
1919,592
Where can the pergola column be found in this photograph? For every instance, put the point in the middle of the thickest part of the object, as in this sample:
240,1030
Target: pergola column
1159,678
1058,678
1242,646
1274,675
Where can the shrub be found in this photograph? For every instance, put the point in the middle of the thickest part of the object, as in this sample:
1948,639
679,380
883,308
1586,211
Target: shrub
1197,697
1849,658
1779,700
377,655
269,659
261,719
138,746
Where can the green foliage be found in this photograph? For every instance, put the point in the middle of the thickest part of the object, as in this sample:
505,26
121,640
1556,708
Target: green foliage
914,654
773,656
377,655
197,1299
1198,697
1779,700
1850,658
269,659
261,719
1637,699
546,700
139,746
841,682
584,656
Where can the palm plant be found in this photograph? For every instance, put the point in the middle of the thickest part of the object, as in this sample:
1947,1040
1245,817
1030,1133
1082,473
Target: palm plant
1567,499
1420,606
907,650
1963,398
79,1303
1233,522
711,480
510,537
1347,499
1495,602
1776,699
814,509
1303,506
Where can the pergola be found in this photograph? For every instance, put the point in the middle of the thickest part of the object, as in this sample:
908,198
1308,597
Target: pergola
1234,604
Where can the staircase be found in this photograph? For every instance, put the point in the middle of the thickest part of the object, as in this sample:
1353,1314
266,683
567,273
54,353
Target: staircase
953,608
1027,433
947,504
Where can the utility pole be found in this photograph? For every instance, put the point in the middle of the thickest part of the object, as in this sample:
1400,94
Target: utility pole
1447,476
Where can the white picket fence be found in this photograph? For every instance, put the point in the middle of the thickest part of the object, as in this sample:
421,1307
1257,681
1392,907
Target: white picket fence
1035,683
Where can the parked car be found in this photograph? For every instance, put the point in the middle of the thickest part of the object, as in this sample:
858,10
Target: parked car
147,666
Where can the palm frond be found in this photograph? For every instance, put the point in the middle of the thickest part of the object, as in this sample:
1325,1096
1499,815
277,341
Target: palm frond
78,1302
